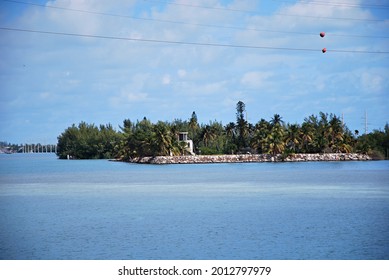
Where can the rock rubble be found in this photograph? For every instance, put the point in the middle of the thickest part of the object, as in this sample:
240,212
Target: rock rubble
250,158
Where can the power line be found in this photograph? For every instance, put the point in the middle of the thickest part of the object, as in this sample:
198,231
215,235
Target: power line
66,9
189,5
184,42
348,5
256,12
330,18
194,24
158,20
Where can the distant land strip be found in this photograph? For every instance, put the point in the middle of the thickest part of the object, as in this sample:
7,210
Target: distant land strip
199,159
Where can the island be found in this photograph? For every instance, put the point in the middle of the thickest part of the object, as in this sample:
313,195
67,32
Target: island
318,137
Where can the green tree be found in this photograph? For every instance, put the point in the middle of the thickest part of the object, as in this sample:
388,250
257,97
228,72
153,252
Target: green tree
274,142
261,132
164,142
293,137
230,133
317,134
276,120
143,138
68,142
335,134
241,126
213,138
376,143
193,125
87,141
322,135
194,131
307,135
207,135
126,147
230,129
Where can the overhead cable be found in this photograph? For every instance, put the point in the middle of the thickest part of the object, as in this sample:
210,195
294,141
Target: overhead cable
257,12
193,6
192,24
348,5
184,42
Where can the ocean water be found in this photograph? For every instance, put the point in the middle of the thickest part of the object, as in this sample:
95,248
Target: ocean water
97,209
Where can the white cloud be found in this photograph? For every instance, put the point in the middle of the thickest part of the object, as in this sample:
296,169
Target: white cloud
126,99
255,79
372,82
166,79
122,74
181,73
135,96
76,21
45,95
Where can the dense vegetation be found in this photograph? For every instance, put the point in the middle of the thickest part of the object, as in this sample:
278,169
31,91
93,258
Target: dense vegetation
317,134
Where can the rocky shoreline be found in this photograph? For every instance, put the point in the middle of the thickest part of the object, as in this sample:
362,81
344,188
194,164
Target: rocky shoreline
250,158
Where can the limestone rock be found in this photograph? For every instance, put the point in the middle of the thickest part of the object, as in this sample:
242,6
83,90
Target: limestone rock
249,158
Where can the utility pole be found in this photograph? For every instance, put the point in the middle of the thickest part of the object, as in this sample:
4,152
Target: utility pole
366,123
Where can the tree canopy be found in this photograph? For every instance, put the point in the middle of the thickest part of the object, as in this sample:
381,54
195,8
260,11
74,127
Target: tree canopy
317,134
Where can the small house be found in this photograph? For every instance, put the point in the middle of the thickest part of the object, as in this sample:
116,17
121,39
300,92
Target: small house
183,137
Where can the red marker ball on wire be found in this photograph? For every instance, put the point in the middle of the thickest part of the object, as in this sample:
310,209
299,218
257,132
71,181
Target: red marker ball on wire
322,34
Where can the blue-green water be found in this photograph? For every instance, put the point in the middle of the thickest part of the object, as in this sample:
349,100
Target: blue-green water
96,209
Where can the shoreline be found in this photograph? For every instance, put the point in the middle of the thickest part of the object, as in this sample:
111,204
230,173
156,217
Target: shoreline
246,158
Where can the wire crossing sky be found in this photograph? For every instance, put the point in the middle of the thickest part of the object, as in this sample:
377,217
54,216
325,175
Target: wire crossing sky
63,62
184,43
203,25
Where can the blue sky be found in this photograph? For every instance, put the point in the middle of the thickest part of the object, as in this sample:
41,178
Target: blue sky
48,82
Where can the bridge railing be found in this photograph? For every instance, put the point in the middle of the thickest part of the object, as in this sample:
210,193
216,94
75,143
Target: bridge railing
38,148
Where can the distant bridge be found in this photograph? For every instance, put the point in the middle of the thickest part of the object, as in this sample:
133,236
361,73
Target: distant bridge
38,148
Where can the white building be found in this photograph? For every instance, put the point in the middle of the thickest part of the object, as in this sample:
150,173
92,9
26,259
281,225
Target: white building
183,137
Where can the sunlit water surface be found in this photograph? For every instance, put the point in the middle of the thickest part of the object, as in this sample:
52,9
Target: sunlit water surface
96,209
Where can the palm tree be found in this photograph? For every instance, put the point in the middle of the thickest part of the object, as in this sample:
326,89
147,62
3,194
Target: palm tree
162,140
275,140
207,135
335,133
306,136
180,149
276,120
261,131
125,148
322,133
293,137
230,133
345,148
230,129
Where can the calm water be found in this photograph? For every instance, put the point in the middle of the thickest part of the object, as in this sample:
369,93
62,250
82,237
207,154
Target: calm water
96,209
